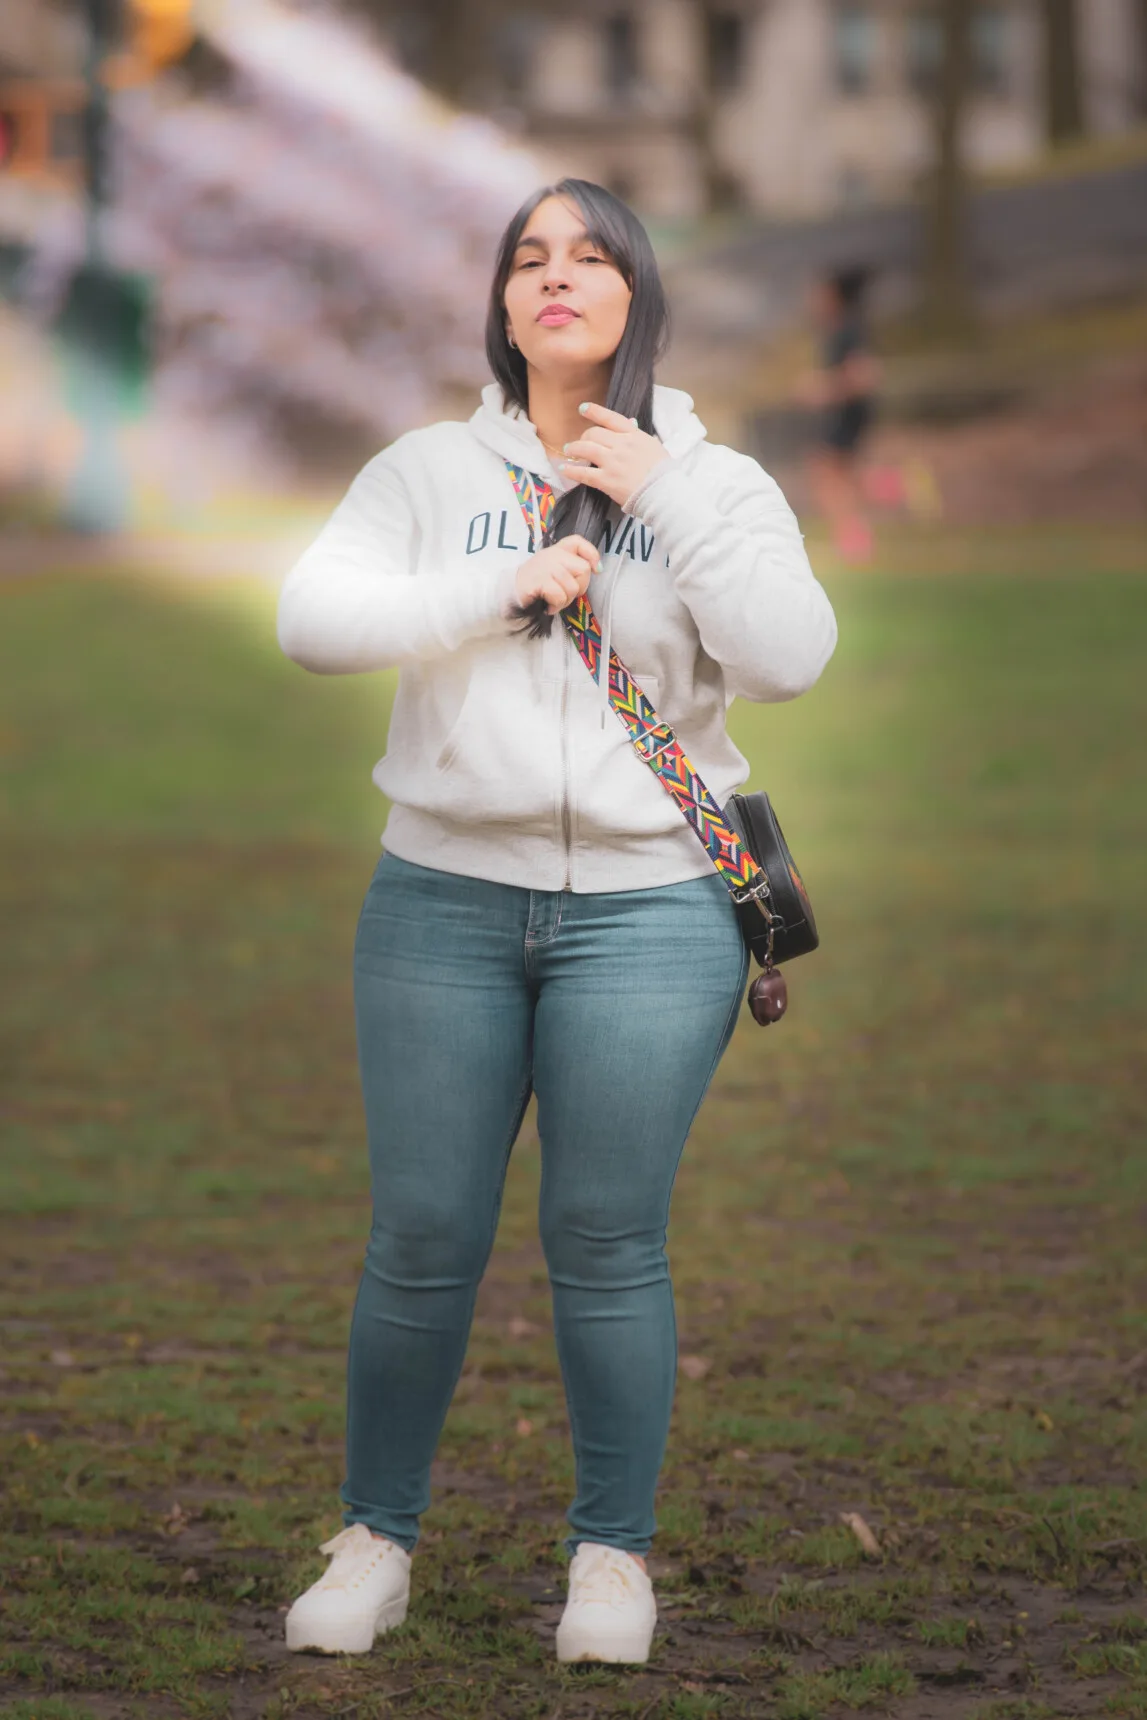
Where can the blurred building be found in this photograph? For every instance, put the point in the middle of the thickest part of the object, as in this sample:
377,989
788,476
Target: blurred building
41,95
779,107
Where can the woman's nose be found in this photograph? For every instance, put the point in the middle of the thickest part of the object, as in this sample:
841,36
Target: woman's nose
554,280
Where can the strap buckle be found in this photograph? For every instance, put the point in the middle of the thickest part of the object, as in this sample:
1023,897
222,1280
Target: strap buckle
758,894
639,739
758,891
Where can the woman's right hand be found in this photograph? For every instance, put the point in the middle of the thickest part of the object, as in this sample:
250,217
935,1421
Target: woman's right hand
558,574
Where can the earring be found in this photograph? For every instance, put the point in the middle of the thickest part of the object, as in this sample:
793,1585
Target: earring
511,340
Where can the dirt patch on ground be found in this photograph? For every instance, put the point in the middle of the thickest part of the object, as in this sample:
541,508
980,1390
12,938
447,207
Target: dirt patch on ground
1077,452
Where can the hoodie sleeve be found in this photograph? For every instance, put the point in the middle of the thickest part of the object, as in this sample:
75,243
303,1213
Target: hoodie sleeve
353,601
741,569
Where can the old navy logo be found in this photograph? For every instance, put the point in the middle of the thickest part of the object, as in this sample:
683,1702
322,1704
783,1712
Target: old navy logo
478,535
632,539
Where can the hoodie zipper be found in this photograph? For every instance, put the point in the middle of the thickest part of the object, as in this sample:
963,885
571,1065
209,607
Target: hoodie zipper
537,537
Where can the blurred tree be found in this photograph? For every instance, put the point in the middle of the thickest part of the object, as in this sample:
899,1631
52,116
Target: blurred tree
947,307
1063,93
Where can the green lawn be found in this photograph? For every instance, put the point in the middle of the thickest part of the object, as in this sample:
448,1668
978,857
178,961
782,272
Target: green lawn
908,1236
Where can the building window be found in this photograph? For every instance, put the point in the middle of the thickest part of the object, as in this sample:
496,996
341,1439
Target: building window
725,48
620,53
855,32
515,54
991,49
924,49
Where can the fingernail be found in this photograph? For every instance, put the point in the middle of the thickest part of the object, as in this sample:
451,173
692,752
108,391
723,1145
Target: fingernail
584,407
565,447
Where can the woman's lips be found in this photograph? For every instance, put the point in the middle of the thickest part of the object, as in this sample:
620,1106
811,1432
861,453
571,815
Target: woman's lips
555,316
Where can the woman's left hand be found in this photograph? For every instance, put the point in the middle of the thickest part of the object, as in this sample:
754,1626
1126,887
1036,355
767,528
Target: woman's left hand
620,455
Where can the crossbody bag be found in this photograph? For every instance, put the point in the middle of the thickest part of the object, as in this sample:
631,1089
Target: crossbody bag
743,839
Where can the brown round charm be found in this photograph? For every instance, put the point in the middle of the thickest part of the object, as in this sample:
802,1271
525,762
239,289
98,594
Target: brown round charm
768,997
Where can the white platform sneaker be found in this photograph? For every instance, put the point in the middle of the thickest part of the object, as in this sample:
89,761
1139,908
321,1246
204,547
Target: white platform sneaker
365,1591
611,1612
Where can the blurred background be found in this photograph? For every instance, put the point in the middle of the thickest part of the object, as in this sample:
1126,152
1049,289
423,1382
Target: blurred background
245,243
186,185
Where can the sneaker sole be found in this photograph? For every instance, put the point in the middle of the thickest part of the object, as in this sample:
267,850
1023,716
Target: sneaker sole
574,1646
358,1639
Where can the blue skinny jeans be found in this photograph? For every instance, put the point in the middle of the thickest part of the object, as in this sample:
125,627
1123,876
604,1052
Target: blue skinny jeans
615,1009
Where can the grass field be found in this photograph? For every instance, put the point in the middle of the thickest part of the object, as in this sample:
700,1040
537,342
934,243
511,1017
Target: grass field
908,1235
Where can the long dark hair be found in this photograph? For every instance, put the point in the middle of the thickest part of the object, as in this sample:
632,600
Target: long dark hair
613,226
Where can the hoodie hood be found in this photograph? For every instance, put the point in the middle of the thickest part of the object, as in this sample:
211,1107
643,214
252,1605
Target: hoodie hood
509,433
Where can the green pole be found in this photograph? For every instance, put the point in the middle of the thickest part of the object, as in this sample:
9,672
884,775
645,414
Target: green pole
98,499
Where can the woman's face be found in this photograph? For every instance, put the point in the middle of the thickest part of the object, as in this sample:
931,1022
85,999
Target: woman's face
566,302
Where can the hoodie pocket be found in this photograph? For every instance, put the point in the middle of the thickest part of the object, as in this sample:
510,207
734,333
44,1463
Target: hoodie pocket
448,751
500,760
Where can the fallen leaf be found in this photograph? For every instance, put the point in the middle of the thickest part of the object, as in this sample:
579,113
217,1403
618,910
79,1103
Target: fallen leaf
62,1359
741,1456
520,1328
175,1522
524,1427
695,1367
1044,1421
863,1533
190,1575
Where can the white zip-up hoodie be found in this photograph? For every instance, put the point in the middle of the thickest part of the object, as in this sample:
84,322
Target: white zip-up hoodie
504,759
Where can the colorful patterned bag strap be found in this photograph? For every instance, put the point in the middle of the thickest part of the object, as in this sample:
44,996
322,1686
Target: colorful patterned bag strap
665,757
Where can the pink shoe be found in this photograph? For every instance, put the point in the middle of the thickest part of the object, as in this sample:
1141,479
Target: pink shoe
884,486
854,541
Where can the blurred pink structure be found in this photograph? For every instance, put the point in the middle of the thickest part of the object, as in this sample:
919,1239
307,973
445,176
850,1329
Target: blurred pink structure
320,230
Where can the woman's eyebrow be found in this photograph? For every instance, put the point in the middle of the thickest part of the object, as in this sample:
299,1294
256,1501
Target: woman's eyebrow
537,244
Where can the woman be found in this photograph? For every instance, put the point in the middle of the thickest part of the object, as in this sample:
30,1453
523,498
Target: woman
844,389
542,917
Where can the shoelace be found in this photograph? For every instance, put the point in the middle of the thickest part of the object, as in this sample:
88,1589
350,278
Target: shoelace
356,1552
605,1576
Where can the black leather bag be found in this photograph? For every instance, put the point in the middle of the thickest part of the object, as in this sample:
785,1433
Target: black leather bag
792,931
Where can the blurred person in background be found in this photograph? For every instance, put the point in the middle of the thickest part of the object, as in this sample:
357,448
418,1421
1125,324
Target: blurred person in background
843,392
542,918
